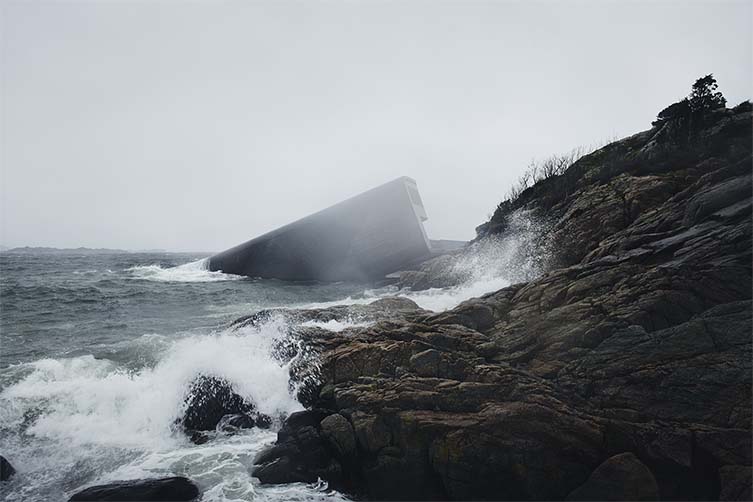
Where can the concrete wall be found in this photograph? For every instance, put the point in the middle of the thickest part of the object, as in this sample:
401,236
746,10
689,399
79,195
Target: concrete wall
364,237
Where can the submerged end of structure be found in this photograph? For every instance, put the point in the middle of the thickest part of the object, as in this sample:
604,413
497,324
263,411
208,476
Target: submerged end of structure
362,238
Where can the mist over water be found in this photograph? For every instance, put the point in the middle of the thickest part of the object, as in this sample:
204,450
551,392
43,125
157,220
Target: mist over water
99,351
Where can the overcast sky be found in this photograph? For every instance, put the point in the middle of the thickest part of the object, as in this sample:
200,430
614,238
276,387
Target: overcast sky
198,125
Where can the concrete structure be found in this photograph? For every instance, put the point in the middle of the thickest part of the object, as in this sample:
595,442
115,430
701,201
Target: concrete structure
362,238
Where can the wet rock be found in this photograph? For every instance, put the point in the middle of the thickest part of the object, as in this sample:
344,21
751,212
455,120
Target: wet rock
6,469
163,489
300,455
311,444
340,435
211,398
621,477
394,303
199,438
231,423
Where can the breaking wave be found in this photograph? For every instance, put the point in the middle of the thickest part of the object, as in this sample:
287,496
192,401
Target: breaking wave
76,421
106,410
195,271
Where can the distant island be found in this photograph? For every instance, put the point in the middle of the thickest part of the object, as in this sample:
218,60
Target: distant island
77,251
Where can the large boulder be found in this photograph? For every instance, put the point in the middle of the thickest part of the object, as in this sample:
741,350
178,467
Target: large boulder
339,434
621,477
153,490
310,445
211,399
6,470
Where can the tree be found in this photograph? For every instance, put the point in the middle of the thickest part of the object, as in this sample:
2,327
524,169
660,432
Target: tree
679,109
704,96
692,110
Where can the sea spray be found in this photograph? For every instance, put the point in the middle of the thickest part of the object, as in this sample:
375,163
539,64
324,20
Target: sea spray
103,421
521,254
97,364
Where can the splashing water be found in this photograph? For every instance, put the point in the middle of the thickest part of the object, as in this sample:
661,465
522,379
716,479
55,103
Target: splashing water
495,262
195,271
89,415
98,353
335,325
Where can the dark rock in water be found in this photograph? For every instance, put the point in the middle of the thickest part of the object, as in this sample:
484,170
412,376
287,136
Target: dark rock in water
210,399
163,489
6,470
199,437
256,319
230,423
621,477
304,452
393,304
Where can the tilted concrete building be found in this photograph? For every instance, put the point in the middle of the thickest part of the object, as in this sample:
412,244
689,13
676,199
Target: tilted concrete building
362,238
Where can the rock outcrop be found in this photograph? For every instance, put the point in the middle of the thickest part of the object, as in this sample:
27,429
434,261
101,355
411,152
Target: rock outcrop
211,403
162,489
629,362
622,477
6,469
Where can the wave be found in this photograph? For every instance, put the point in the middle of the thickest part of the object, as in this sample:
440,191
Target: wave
93,420
195,271
72,421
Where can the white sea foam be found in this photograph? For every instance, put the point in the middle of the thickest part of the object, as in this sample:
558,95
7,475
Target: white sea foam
76,421
441,299
490,264
91,412
335,325
195,271
368,297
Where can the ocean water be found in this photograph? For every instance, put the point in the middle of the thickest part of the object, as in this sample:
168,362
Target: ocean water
97,352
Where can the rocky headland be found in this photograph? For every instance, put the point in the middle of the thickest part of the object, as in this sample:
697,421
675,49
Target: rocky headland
621,373
617,367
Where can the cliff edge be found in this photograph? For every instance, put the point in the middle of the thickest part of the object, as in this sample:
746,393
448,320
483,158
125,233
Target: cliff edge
622,373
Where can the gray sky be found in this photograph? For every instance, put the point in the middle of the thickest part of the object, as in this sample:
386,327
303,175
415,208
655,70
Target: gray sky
198,125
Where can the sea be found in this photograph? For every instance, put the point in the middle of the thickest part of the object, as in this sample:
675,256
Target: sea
97,351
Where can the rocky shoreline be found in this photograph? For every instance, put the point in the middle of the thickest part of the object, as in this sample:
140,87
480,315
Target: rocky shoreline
623,373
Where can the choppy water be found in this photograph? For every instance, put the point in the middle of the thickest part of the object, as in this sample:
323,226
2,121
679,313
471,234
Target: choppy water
97,351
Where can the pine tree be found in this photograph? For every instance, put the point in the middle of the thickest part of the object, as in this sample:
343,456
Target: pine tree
704,96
